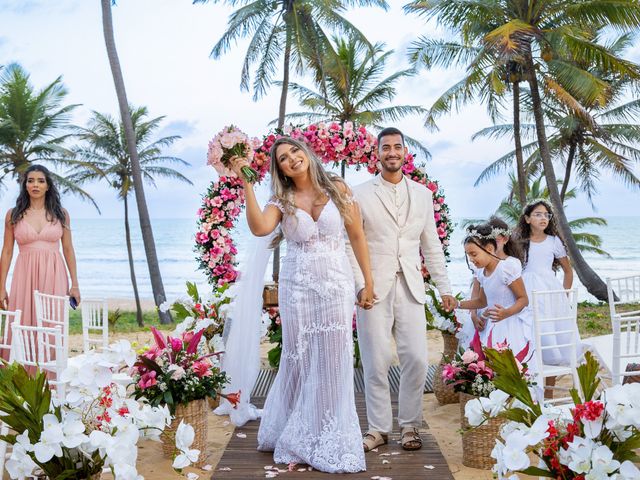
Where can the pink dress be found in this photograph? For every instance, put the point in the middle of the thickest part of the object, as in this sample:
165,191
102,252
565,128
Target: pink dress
39,266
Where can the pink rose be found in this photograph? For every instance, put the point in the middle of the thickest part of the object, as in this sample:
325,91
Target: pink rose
469,357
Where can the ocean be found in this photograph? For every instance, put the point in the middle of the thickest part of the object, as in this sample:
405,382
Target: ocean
103,269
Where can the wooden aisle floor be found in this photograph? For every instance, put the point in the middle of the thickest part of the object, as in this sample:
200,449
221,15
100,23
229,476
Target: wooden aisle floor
242,461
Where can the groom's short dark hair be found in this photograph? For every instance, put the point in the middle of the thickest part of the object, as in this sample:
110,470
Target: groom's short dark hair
390,131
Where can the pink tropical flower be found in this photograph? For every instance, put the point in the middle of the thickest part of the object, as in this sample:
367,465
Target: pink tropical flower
202,368
449,372
148,380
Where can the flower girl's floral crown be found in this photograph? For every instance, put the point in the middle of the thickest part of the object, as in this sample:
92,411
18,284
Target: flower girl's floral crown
495,233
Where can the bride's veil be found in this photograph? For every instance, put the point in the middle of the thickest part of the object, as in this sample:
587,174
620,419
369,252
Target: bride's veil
242,333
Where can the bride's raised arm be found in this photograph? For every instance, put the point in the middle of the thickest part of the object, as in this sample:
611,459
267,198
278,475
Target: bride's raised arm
261,222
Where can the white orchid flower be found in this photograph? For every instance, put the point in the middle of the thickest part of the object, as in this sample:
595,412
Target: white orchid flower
602,461
184,439
578,455
125,471
628,471
73,430
121,352
20,465
474,412
50,440
24,441
514,455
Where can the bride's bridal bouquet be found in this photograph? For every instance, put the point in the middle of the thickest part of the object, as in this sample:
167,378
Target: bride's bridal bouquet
232,142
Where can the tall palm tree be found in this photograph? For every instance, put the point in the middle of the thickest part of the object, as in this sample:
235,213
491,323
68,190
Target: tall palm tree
551,40
606,140
294,29
105,152
352,88
489,77
510,210
34,127
136,171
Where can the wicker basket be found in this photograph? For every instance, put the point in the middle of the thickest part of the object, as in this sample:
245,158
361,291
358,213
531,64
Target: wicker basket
270,295
195,414
213,402
450,343
445,394
477,442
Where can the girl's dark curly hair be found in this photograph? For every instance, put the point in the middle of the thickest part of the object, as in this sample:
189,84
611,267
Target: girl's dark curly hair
523,230
482,238
52,203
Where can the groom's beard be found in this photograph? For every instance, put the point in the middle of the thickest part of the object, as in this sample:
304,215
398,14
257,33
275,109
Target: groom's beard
392,169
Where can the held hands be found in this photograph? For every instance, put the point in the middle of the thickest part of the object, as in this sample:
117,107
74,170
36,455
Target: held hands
236,164
496,313
449,302
367,297
478,321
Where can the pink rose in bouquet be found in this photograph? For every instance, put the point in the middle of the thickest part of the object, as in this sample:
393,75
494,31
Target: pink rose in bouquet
232,142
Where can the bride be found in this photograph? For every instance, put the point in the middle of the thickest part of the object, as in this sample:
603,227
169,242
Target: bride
309,415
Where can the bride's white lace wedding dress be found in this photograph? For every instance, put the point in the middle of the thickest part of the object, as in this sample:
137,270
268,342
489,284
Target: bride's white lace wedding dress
309,416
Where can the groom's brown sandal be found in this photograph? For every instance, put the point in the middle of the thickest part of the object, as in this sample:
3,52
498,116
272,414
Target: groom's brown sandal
373,439
411,439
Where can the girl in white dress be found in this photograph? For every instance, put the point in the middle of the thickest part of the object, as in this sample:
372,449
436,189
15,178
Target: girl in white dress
544,254
501,291
474,321
309,415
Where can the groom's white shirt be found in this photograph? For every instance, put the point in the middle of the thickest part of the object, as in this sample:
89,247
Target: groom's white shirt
394,244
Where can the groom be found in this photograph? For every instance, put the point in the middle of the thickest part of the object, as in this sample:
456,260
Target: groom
397,214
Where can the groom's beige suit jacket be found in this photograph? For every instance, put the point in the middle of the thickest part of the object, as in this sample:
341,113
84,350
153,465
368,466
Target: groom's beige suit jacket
393,247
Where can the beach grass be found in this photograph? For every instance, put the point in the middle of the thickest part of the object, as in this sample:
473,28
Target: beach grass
124,323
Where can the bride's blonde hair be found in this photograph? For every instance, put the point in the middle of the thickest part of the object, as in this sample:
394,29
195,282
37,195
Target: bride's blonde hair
330,183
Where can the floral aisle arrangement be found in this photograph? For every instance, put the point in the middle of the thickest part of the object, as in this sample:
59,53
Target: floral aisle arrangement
595,438
173,372
196,313
232,142
97,425
333,143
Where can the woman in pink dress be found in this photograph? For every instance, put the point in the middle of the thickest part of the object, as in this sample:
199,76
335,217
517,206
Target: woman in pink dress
38,223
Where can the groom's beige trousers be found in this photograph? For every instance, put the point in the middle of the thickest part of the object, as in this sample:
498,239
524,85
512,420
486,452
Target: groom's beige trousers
400,316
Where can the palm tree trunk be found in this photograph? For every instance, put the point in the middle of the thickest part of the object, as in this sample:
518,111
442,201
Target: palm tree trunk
281,114
588,277
567,170
522,177
143,212
132,271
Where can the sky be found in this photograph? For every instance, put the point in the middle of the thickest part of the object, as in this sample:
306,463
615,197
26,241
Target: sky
164,48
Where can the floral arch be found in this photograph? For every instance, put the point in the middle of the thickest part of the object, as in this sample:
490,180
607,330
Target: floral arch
332,143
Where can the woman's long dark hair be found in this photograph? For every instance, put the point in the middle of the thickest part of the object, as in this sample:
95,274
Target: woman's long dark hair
52,203
523,230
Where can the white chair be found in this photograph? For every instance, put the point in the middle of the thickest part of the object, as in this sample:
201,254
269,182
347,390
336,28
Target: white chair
555,323
53,311
95,319
33,347
7,319
625,325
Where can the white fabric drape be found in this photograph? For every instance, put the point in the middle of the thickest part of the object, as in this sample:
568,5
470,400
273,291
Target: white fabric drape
242,332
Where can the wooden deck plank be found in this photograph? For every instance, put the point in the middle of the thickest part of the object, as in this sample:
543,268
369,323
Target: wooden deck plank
245,462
